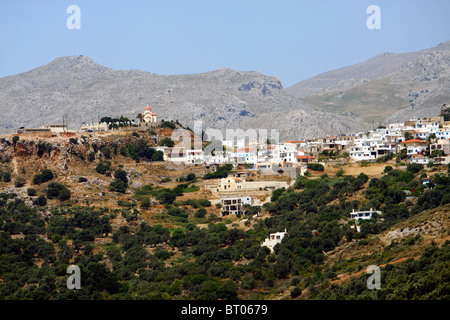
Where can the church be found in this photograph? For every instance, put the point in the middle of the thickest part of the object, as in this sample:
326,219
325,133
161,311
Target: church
148,115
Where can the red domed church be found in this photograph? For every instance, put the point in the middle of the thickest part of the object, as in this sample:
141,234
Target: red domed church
148,115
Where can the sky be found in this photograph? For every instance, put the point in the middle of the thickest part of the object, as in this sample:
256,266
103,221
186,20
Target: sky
291,40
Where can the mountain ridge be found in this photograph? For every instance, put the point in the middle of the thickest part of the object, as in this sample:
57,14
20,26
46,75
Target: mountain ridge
224,98
386,88
301,88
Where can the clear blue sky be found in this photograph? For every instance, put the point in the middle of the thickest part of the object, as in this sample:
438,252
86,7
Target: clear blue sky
292,40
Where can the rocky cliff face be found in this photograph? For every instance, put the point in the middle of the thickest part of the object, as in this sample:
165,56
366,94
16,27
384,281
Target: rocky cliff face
60,154
224,98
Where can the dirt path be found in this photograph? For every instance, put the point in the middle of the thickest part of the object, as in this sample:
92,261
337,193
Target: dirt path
345,277
15,165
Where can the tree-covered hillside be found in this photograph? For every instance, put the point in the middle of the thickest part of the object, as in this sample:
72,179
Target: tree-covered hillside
205,259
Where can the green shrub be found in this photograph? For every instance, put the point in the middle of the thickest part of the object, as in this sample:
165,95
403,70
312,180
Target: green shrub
45,176
315,166
296,292
177,212
106,152
167,142
204,202
414,167
103,167
31,192
127,204
221,172
91,156
5,176
56,190
168,124
40,201
120,183
141,150
200,213
123,151
118,186
145,203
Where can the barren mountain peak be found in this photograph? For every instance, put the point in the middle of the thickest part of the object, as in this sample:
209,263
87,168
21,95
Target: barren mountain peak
225,98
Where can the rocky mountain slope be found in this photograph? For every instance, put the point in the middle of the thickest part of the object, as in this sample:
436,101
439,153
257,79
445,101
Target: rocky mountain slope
386,88
84,91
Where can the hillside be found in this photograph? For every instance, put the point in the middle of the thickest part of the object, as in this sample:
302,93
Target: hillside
139,228
85,91
386,88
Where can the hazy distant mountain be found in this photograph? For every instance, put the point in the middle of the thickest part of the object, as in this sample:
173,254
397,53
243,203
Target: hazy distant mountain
388,87
84,91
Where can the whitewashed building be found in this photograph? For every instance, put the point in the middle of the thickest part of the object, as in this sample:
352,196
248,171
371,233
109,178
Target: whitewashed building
234,205
194,156
102,126
357,215
273,239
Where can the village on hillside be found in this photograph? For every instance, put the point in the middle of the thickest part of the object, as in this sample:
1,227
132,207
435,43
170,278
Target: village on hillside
137,169
422,140
266,165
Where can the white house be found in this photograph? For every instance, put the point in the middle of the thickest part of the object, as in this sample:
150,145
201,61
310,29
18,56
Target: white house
397,125
363,214
296,144
443,133
414,146
273,239
194,156
230,144
219,157
372,145
234,205
56,128
102,126
419,159
246,155
231,184
177,154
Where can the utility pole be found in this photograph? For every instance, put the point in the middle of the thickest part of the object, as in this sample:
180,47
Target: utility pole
65,122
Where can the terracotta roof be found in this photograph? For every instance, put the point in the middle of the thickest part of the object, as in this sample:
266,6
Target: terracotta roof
305,157
413,140
245,150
